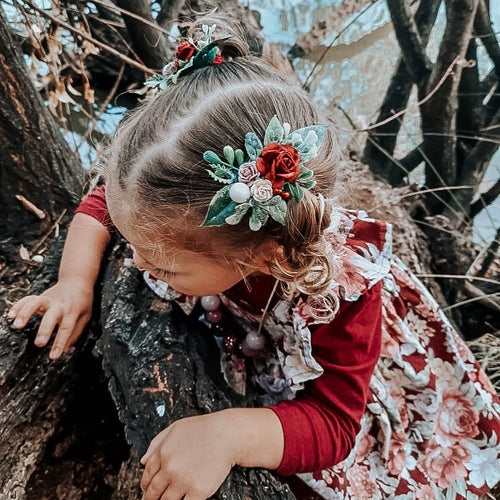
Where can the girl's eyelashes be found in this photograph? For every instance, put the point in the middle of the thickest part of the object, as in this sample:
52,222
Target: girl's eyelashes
162,273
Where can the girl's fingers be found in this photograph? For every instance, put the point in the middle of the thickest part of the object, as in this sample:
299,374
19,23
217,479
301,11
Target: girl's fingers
157,487
150,471
30,305
77,330
47,326
64,332
155,442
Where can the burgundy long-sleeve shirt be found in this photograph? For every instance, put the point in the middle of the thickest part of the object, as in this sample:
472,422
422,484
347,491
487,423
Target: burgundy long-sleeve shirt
321,423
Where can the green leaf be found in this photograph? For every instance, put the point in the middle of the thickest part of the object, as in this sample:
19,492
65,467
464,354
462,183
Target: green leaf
239,211
253,145
229,154
207,54
308,185
154,81
211,157
221,206
295,190
258,218
277,209
319,130
220,175
306,174
239,157
274,132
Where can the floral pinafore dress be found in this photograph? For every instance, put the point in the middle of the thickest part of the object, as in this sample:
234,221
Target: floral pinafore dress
432,422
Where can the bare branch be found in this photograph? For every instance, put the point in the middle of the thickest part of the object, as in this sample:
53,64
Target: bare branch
485,199
413,159
417,63
147,41
474,167
83,35
439,113
396,98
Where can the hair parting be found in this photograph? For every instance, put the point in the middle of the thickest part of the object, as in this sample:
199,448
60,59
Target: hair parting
157,176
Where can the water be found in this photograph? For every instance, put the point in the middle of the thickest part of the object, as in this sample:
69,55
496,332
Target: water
355,71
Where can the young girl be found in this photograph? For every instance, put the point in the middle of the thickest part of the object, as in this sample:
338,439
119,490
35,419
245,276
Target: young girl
223,184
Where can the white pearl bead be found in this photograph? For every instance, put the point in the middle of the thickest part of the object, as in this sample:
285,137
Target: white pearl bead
239,192
210,302
254,341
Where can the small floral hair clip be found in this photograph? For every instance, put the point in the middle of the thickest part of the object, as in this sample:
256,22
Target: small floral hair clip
190,55
263,180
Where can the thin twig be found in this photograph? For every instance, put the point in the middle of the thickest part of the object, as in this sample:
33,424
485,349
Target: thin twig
31,207
104,105
42,241
459,276
485,297
329,46
439,84
135,16
90,39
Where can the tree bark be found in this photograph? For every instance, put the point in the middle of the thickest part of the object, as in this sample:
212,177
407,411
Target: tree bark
162,367
379,150
439,113
148,42
32,153
412,46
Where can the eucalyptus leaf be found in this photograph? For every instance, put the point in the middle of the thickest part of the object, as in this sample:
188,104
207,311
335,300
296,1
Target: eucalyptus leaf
213,158
239,211
239,157
220,207
253,145
274,131
319,130
258,218
229,154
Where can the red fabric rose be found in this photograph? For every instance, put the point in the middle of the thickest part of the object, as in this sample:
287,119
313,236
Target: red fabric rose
185,51
217,60
279,163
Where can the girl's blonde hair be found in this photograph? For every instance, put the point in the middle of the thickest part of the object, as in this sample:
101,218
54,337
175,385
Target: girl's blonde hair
156,163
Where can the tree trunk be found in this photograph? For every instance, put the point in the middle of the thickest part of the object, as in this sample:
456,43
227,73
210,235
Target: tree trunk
32,153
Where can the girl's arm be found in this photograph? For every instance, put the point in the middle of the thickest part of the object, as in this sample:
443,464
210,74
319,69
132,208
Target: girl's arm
193,456
66,307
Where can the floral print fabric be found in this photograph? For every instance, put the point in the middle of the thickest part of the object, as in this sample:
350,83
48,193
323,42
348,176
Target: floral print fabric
430,430
431,425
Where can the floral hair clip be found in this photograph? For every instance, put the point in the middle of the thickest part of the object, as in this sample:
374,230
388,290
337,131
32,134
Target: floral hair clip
264,180
190,55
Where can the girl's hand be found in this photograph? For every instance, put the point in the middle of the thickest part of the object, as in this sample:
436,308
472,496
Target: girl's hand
189,460
65,309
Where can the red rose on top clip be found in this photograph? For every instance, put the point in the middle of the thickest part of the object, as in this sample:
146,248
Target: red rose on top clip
185,51
279,163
